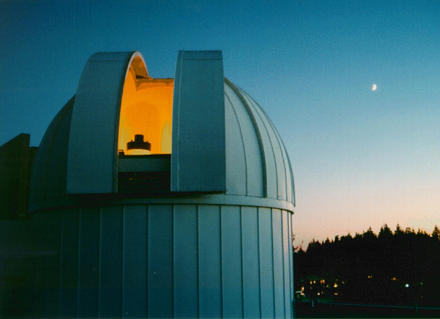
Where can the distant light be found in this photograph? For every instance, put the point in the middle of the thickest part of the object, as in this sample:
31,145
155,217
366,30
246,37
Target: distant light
335,285
394,279
370,276
407,285
374,87
335,294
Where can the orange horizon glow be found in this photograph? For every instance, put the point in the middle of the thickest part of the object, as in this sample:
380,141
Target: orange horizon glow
146,108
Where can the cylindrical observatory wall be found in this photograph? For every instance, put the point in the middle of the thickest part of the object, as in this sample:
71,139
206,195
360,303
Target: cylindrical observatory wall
168,261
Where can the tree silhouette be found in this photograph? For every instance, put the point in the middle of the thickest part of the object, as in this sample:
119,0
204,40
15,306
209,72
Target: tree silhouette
399,267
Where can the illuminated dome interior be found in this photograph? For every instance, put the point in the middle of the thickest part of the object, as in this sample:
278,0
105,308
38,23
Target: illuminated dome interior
146,109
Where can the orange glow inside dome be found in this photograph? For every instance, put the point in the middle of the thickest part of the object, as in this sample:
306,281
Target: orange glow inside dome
146,109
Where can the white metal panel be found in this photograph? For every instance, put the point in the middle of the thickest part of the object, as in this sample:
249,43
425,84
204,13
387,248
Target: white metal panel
231,262
185,282
198,153
288,299
91,166
134,257
252,153
209,261
276,149
268,151
251,265
160,261
278,267
265,255
236,173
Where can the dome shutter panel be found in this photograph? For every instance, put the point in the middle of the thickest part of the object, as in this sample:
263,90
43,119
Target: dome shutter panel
91,165
198,152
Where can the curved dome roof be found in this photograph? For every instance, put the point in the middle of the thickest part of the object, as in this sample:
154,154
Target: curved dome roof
256,160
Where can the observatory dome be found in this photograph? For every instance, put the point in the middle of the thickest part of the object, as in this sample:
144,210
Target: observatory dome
250,160
152,194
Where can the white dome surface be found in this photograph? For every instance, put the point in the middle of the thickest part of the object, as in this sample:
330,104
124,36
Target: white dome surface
257,163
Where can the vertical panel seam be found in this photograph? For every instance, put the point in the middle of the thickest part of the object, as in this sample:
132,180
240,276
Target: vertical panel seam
257,133
173,251
221,258
60,279
172,260
283,259
79,264
251,103
258,258
100,264
292,179
198,261
285,156
278,137
293,266
242,142
281,147
123,264
292,186
290,245
241,261
273,264
173,239
147,234
269,137
221,261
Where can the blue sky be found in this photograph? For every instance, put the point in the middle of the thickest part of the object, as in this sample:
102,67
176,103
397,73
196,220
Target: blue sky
360,158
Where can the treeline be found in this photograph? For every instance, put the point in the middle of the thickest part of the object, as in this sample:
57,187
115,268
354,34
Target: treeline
391,267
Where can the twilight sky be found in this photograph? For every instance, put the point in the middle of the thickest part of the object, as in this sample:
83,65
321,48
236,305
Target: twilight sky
360,158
